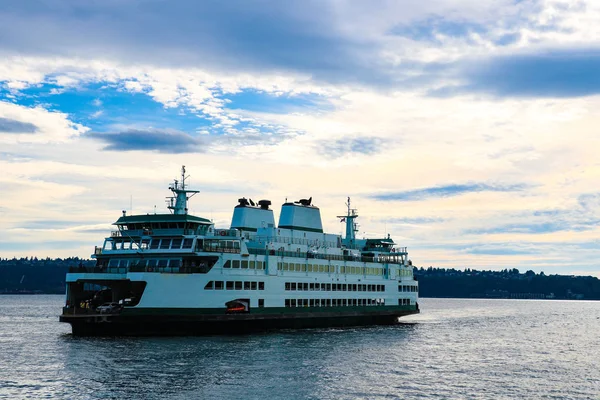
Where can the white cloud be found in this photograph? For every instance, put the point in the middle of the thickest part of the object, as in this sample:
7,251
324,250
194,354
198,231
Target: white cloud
50,126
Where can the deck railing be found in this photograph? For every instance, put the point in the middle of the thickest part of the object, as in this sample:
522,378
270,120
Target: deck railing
393,259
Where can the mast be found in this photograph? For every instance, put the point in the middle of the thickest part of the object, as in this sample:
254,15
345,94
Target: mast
180,195
351,226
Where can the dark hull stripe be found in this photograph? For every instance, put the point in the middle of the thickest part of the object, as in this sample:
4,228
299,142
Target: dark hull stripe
203,324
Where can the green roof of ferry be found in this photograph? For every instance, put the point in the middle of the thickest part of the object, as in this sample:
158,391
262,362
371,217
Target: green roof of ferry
133,219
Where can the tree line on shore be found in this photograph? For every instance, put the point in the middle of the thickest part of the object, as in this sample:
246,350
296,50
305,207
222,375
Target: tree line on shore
47,275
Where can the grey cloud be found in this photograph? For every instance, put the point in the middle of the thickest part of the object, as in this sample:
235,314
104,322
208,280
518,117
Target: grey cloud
553,73
152,140
352,145
175,142
238,35
446,191
8,125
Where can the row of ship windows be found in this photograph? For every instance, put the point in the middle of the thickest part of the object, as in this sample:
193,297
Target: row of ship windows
244,264
408,288
334,287
296,267
333,302
234,285
113,263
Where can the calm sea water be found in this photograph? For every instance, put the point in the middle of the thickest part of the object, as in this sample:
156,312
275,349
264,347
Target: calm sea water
473,349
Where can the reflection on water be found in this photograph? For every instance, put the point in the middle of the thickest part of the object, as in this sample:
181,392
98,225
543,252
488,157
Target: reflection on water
455,348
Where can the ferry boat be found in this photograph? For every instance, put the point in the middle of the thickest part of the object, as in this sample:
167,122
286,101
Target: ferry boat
177,274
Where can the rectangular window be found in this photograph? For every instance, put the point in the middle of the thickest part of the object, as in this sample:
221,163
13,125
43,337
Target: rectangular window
176,244
317,303
165,243
261,303
328,287
238,285
305,285
344,287
282,266
321,268
288,286
312,286
246,285
287,302
218,285
245,264
175,263
311,303
229,285
187,243
293,303
252,265
303,267
154,244
293,285
344,302
235,264
162,263
261,286
252,285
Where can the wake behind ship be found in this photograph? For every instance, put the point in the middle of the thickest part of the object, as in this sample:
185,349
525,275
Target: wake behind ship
176,274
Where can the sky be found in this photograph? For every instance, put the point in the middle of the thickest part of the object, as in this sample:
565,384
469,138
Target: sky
468,130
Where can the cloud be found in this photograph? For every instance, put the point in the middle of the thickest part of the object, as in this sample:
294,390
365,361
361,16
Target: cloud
8,125
446,191
552,73
413,221
176,142
539,227
366,145
22,124
435,28
263,36
150,140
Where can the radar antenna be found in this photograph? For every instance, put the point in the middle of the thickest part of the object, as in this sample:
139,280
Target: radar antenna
351,226
178,202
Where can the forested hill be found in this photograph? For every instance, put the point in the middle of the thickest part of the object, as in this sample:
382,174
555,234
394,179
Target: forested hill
33,275
440,282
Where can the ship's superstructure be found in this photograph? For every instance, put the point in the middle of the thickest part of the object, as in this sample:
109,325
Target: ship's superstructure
178,274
